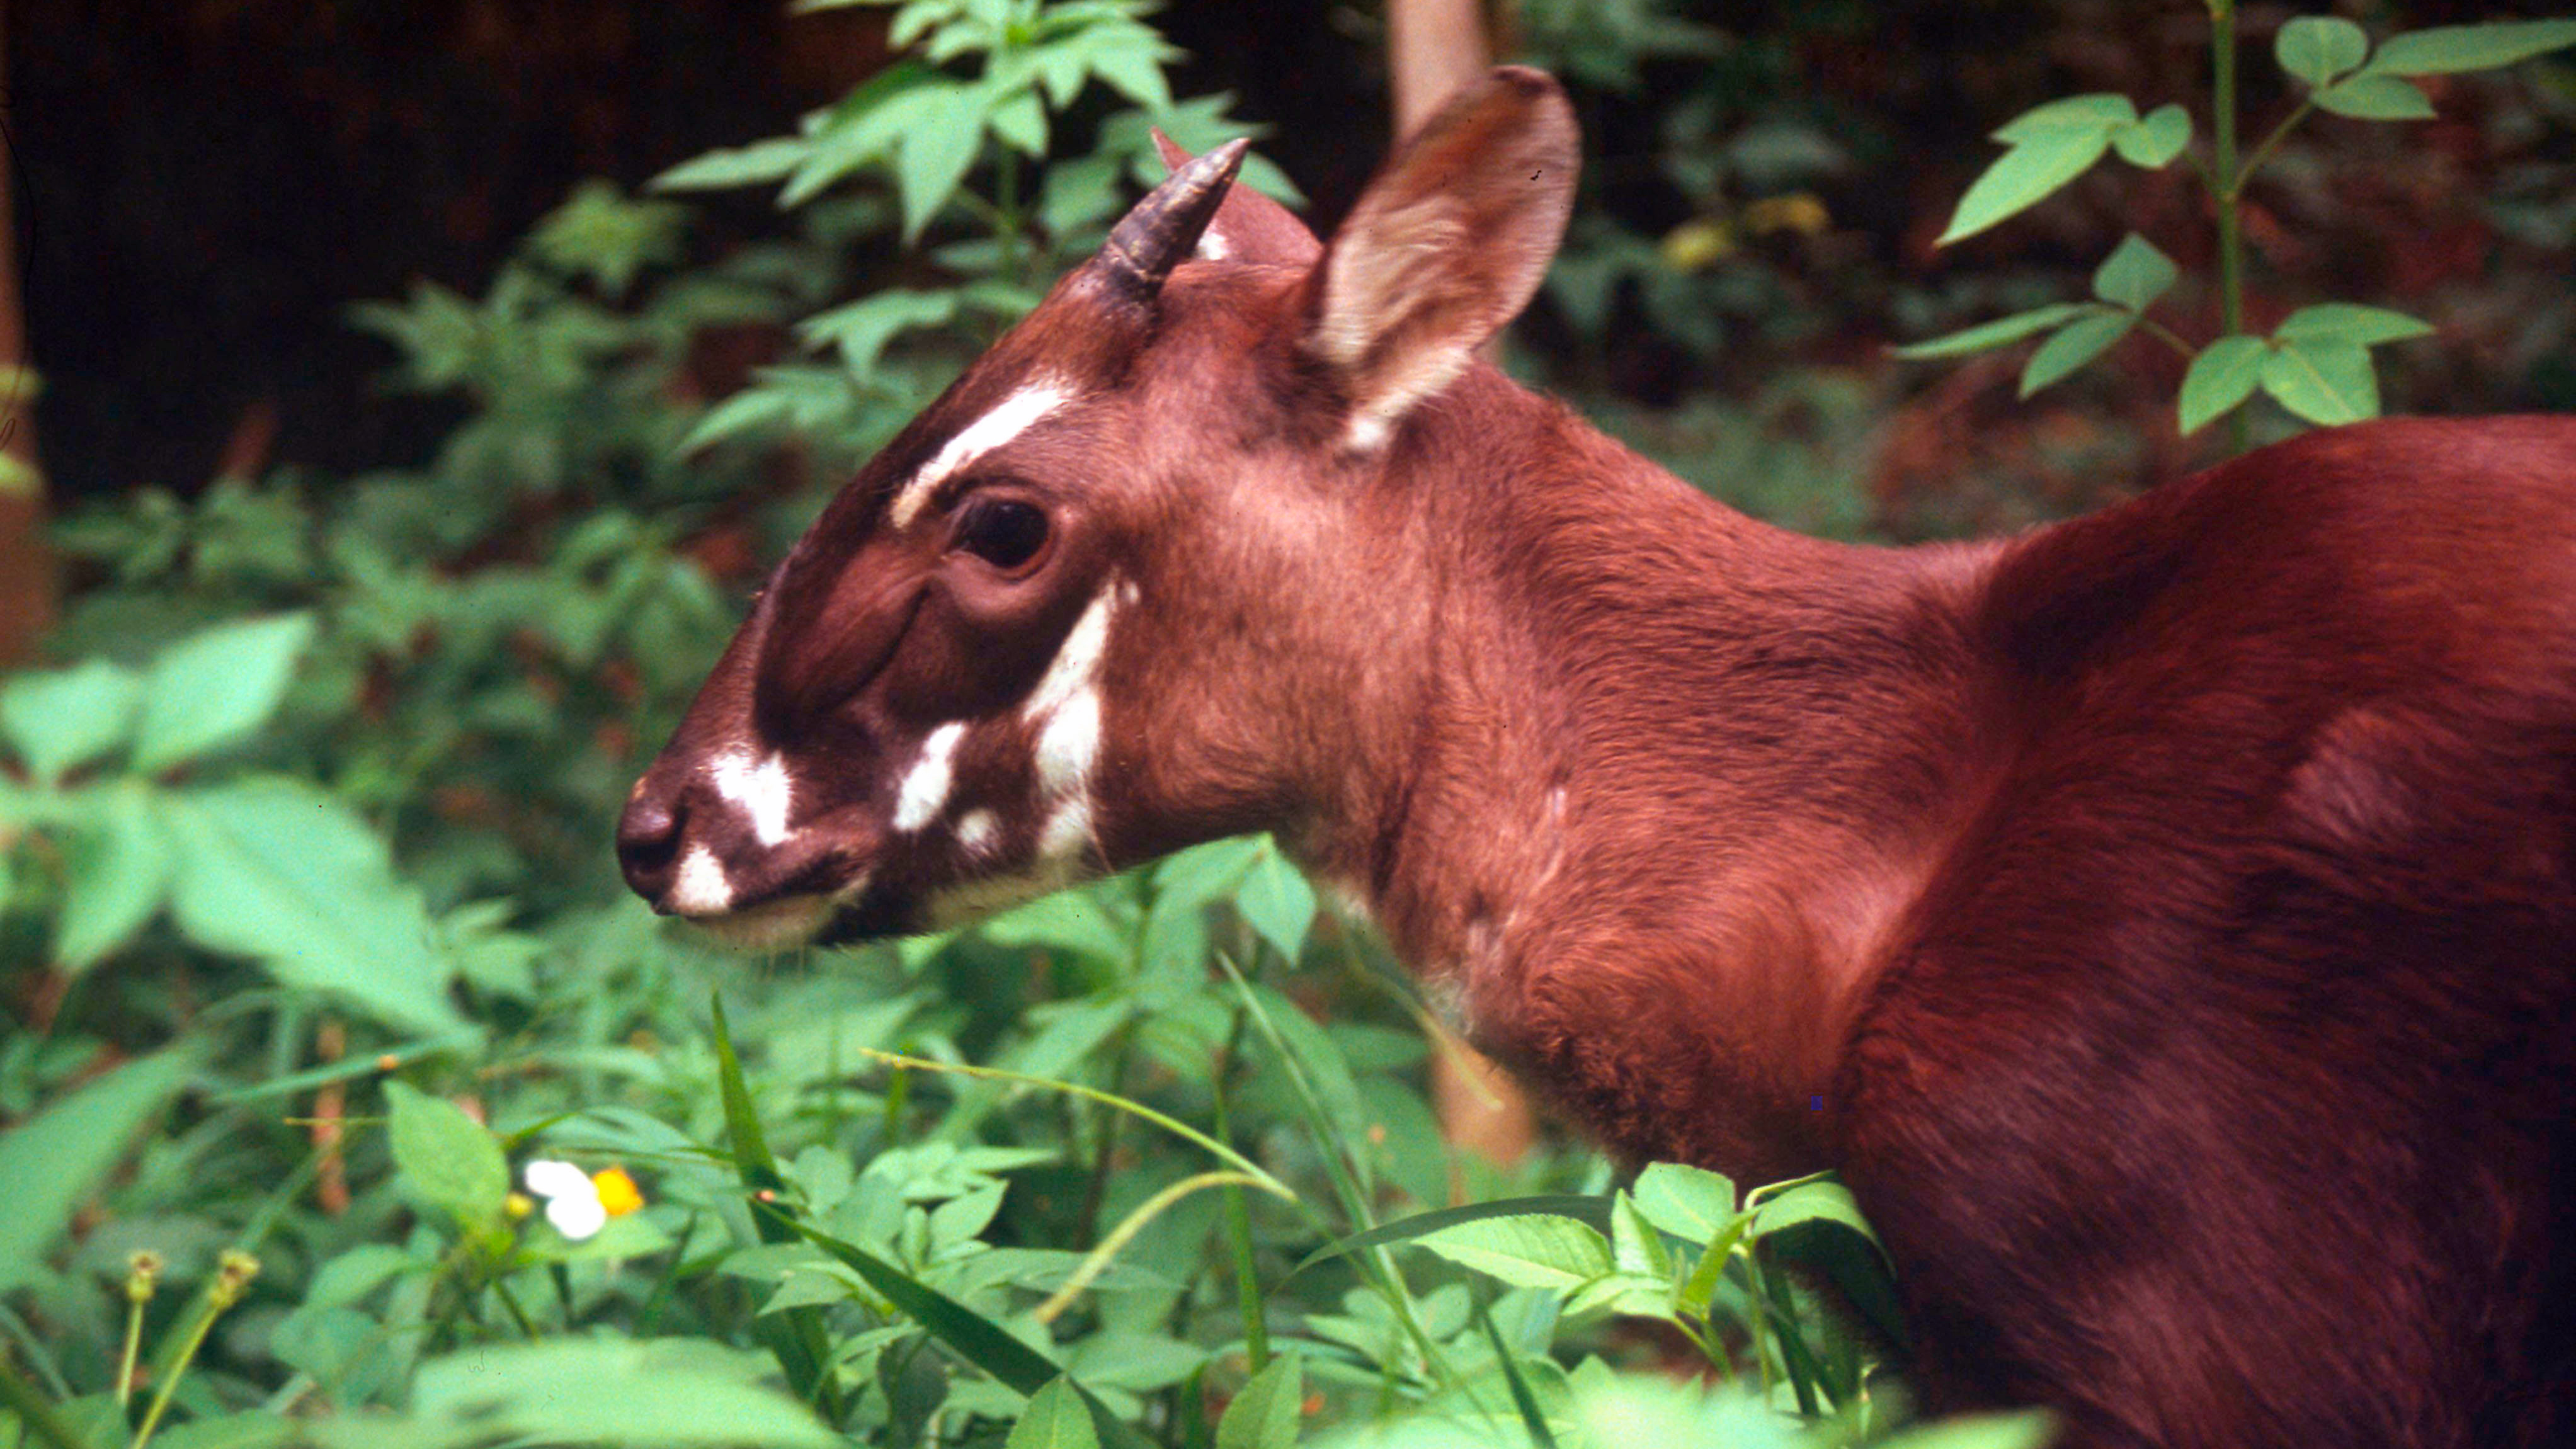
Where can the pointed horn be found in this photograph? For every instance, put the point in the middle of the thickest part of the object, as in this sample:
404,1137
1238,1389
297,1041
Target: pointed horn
1152,238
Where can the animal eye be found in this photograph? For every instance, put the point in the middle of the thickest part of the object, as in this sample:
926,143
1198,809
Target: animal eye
1003,532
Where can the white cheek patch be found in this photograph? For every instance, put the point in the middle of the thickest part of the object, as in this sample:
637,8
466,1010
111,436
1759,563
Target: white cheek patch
1069,744
1077,662
1066,830
976,831
761,790
1009,418
1212,248
700,888
925,787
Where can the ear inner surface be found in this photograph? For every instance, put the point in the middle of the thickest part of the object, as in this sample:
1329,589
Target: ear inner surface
1446,245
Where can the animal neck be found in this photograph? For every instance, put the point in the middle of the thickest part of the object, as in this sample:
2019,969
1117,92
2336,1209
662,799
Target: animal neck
1669,776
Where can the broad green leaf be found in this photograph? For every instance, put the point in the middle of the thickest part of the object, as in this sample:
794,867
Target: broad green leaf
2349,322
1065,921
1056,1418
2317,48
761,161
2371,97
2327,383
1691,1203
1537,1251
276,869
2097,111
2026,175
674,1392
2134,275
935,155
1276,901
2449,48
216,689
1264,1413
1986,335
2219,378
51,1162
1128,56
59,720
447,1159
116,873
2074,345
862,329
1592,1210
2154,141
1020,121
1815,1225
1635,1246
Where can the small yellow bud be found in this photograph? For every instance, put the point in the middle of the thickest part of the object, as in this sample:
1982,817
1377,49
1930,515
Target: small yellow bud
142,1275
233,1272
518,1205
1697,244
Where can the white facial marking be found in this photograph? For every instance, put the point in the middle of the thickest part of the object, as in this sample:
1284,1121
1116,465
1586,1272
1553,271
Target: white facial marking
700,888
1009,418
1368,433
1066,830
761,790
976,831
779,925
1212,248
925,788
1076,662
1068,744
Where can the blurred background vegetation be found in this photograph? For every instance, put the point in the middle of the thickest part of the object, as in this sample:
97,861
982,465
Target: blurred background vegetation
418,390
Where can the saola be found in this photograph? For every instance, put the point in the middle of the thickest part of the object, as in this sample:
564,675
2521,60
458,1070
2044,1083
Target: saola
2164,921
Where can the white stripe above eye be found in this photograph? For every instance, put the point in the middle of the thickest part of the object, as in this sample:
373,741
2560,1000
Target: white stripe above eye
1009,418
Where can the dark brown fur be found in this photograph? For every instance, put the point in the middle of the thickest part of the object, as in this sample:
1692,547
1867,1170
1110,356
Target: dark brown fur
2163,921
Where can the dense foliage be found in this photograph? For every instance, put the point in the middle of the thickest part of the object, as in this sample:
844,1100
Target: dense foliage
321,976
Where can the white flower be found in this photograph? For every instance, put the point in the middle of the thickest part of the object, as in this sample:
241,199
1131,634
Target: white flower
571,1198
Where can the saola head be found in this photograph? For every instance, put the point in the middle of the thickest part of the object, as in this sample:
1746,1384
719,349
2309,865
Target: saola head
1137,579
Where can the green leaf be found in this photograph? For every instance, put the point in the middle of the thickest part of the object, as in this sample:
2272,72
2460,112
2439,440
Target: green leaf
677,1392
2134,275
2074,345
862,329
1988,335
935,154
2029,1429
2317,48
1635,1245
1536,1251
1592,1210
1021,123
1815,1225
1264,1414
1056,1418
1129,57
2327,383
2376,98
1691,1203
977,1339
60,720
2156,140
51,1162
1523,1401
1276,902
795,1338
276,869
2096,111
447,1159
761,161
249,1429
2219,378
2449,48
2024,176
216,689
2349,322
116,873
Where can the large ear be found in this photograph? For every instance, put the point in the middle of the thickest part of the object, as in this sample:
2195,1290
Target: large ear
1446,245
1248,227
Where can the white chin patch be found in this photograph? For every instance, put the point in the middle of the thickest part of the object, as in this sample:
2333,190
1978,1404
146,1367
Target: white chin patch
777,925
700,888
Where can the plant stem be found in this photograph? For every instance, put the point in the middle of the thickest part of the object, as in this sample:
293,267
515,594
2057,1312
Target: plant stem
207,1313
133,1351
2254,160
1238,1216
34,1412
2231,241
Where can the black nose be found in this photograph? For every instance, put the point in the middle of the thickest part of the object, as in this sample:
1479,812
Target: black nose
648,842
